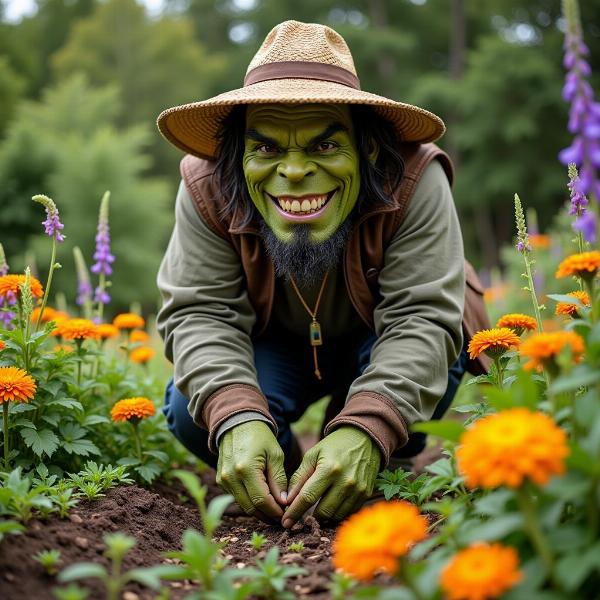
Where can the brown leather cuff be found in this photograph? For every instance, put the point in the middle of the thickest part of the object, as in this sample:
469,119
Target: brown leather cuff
231,400
376,415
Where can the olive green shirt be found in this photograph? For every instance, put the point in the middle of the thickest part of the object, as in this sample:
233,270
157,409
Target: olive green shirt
206,319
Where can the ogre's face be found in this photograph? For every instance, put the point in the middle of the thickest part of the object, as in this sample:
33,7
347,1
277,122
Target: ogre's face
301,165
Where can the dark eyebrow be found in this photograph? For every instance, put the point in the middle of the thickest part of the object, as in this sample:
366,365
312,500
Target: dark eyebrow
333,128
259,137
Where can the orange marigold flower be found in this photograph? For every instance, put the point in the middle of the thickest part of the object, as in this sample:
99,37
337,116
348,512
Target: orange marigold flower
566,308
510,446
128,321
16,385
494,293
132,409
540,241
494,342
2,345
374,538
584,265
77,329
139,336
518,322
481,572
46,317
63,348
543,348
106,330
10,285
141,355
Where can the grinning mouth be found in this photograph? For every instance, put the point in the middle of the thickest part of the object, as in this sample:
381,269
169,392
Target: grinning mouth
302,205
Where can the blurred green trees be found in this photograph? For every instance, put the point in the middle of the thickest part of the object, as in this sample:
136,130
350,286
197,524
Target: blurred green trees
66,147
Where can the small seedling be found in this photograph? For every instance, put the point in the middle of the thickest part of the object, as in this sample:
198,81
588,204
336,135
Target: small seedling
49,559
257,541
296,546
71,592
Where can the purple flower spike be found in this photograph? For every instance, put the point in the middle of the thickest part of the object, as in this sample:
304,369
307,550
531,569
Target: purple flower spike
3,263
52,224
101,296
578,200
584,114
102,256
588,226
84,287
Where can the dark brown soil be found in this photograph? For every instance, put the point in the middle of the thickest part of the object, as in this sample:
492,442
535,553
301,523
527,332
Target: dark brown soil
157,519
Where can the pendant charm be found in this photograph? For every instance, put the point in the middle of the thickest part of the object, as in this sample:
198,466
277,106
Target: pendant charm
315,334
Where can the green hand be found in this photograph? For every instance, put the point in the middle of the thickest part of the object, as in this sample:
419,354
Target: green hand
339,473
250,467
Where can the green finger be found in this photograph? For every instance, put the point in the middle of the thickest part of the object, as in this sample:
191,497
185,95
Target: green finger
331,502
277,480
242,498
260,495
308,496
348,506
299,478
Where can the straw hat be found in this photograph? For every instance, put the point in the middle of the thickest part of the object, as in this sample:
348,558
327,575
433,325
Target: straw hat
298,63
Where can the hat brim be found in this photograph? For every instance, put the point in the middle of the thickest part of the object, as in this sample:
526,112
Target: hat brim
194,127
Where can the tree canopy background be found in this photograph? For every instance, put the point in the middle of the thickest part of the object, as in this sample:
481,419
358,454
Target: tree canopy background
82,81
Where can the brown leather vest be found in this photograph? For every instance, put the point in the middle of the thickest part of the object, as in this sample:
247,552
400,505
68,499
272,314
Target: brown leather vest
364,252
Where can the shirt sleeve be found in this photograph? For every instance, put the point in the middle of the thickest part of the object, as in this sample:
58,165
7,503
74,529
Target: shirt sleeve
205,321
418,321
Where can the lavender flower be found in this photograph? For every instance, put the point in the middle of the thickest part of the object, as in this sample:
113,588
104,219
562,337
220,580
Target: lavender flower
52,224
3,263
578,200
522,238
84,287
586,223
584,115
101,295
102,256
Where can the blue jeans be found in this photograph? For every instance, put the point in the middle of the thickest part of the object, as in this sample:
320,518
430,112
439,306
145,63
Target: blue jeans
284,366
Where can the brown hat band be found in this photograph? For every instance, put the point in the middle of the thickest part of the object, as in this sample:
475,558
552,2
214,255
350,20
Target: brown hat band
301,69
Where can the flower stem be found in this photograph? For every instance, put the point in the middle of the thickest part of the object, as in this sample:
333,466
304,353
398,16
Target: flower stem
499,375
408,580
48,284
5,427
138,444
534,531
101,288
593,502
589,284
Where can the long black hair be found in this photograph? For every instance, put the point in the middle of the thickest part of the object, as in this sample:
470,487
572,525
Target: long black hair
376,179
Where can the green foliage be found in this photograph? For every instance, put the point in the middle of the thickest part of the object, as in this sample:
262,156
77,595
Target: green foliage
257,541
296,546
49,559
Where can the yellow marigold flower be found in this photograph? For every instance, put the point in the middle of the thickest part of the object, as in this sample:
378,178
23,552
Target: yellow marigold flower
77,329
481,572
128,321
494,342
510,446
584,265
10,285
543,348
132,409
141,355
16,385
139,336
518,322
46,317
106,330
540,241
373,539
565,308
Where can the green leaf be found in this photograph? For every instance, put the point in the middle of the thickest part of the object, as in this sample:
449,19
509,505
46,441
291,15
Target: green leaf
81,571
161,456
581,375
215,511
492,530
95,420
69,403
445,429
80,447
148,577
148,472
44,441
128,461
494,503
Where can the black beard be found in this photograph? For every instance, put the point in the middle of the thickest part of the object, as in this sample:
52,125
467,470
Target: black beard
306,261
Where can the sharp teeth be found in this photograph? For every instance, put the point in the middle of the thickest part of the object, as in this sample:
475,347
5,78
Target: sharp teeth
313,204
305,205
295,207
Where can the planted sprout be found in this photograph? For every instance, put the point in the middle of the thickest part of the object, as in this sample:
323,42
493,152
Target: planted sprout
257,541
49,559
296,546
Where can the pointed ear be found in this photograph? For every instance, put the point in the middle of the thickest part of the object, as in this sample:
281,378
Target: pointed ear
373,151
